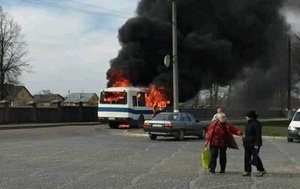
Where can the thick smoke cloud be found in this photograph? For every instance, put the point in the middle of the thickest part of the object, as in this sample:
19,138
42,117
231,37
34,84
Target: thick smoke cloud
217,40
263,88
292,4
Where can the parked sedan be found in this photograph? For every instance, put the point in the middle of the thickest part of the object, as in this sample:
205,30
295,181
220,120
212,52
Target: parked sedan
176,124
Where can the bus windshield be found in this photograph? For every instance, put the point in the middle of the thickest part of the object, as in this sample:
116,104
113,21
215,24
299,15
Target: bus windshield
113,97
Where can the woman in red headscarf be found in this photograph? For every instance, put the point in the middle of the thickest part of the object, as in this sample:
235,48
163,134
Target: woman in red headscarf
218,138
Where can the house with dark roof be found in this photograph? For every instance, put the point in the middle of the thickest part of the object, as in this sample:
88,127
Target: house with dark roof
17,95
45,100
85,98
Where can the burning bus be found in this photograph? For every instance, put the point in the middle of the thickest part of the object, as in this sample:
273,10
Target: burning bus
129,106
124,106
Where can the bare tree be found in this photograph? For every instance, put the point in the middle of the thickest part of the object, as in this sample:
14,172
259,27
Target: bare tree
213,96
295,67
13,50
229,95
296,53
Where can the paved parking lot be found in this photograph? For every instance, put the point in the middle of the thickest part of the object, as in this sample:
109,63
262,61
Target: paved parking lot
98,157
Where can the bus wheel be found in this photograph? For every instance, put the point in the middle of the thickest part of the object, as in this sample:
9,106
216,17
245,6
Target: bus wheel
141,121
113,125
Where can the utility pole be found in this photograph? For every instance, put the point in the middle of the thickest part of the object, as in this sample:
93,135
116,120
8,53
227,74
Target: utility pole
289,113
175,57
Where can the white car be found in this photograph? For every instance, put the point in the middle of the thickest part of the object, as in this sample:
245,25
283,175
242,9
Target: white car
294,128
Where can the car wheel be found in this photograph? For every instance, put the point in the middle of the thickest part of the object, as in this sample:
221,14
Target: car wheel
113,125
290,139
203,134
152,136
180,135
141,121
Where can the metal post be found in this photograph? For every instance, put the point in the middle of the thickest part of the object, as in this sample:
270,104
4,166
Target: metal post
289,113
175,57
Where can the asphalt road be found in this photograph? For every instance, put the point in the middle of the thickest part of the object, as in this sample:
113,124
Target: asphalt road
99,157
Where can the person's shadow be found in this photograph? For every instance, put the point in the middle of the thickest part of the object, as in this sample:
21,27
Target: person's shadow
269,174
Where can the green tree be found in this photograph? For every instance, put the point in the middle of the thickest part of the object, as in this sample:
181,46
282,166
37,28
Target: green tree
13,50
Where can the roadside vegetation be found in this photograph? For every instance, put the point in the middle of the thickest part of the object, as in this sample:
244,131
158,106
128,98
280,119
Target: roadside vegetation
271,128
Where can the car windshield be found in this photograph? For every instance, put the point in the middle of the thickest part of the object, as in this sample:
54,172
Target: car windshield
297,116
166,117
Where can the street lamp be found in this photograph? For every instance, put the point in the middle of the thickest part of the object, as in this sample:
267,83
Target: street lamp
289,113
175,57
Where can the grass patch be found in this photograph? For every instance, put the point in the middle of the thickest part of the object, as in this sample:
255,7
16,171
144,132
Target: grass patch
271,128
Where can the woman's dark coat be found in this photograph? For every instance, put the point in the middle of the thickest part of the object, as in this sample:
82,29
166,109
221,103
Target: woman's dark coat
253,136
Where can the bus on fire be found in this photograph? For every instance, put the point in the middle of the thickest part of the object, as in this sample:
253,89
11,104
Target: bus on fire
124,106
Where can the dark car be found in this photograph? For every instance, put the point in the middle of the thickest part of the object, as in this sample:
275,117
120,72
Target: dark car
176,124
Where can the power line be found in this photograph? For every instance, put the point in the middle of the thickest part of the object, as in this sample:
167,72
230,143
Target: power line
72,8
100,7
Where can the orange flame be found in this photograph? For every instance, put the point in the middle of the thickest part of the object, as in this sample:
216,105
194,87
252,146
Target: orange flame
122,83
113,97
158,98
118,78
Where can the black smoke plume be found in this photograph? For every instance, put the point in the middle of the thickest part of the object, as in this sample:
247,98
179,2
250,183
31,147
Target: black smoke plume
217,40
292,4
263,88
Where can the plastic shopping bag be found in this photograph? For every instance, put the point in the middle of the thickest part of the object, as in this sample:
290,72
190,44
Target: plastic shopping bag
205,158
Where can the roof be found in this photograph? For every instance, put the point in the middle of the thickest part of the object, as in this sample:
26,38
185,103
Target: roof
47,97
79,97
11,91
131,88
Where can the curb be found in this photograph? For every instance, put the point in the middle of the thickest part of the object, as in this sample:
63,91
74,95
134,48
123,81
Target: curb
131,132
275,137
45,125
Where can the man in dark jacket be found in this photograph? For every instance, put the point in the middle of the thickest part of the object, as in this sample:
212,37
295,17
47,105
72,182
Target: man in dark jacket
252,143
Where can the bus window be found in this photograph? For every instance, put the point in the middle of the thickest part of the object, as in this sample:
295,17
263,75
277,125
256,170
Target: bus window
134,101
141,99
113,97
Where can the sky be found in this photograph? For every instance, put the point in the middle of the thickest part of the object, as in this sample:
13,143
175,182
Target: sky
291,12
69,50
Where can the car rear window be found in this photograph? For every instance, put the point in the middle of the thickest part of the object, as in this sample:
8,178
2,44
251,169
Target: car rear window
167,117
296,116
